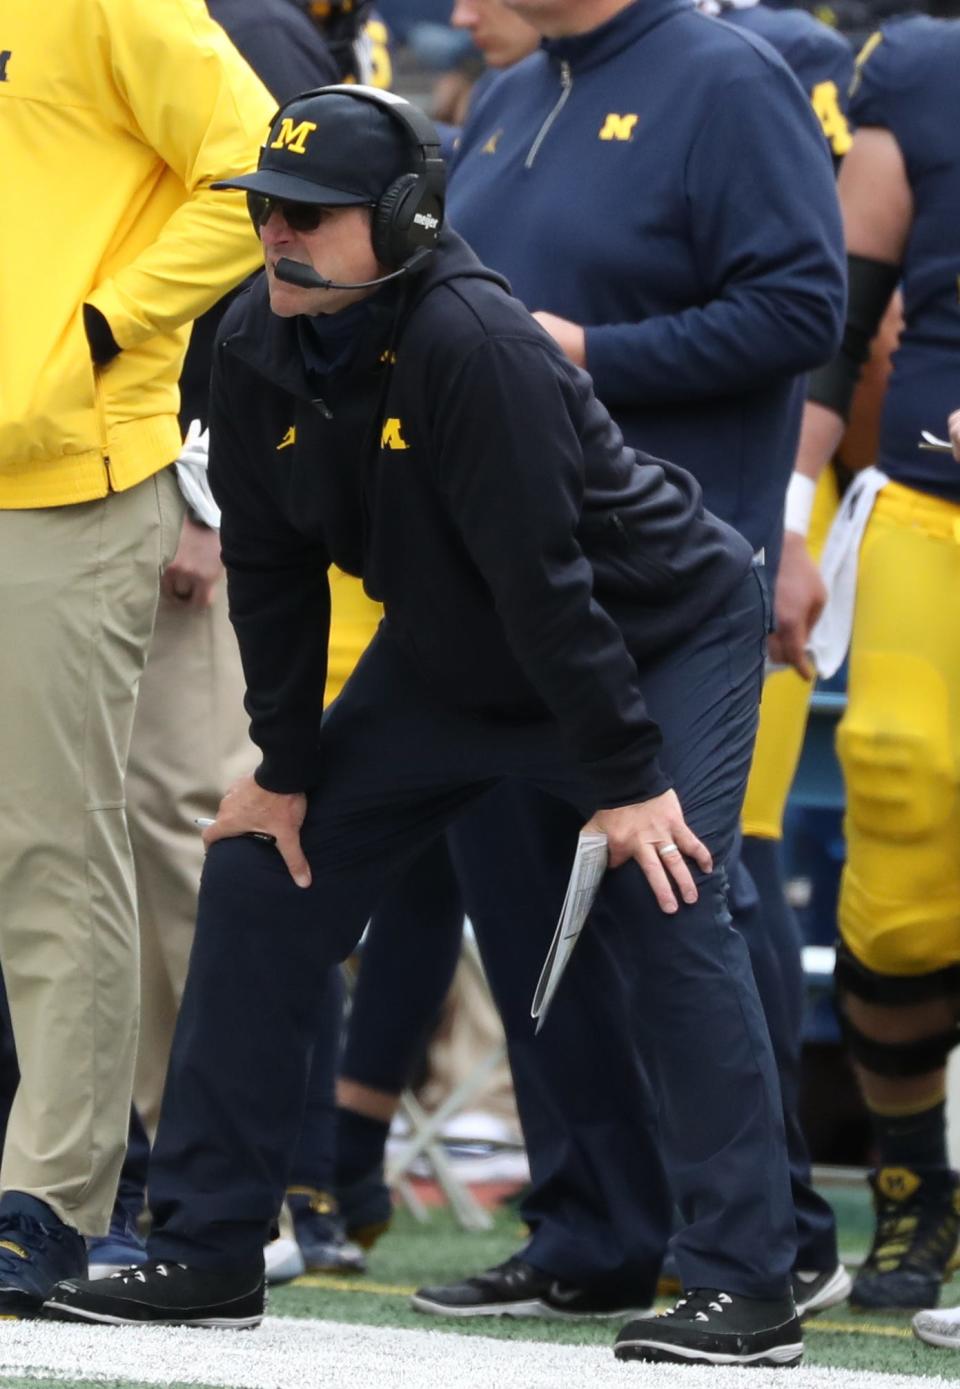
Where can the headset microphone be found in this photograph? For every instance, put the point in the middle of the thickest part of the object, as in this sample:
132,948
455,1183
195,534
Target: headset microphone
294,272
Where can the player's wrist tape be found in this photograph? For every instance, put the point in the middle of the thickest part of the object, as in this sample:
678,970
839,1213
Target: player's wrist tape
799,503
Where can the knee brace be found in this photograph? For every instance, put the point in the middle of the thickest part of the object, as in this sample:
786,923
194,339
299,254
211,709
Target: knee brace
899,1059
896,1059
851,976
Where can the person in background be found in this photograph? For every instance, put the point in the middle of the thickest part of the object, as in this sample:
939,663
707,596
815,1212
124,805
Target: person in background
382,1043
704,302
502,38
186,750
893,556
96,315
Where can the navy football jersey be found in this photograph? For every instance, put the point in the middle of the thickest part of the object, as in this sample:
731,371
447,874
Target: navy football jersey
819,57
908,82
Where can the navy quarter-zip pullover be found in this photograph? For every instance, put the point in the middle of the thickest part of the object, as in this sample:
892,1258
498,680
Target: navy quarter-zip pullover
525,558
663,181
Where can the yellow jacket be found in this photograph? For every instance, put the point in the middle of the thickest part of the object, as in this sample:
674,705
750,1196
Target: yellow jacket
115,117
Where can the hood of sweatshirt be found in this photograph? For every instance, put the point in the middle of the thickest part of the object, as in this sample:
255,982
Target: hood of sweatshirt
297,353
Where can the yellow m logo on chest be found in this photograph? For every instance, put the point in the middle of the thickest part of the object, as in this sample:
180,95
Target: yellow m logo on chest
292,137
391,437
618,127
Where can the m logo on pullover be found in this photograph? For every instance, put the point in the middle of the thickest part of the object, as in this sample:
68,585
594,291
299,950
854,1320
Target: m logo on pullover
618,127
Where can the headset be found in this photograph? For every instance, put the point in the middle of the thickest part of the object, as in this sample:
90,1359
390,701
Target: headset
408,216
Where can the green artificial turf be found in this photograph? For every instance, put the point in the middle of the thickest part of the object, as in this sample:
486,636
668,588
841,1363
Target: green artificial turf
413,1254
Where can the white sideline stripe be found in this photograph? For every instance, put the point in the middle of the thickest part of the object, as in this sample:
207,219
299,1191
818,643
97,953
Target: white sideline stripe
289,1351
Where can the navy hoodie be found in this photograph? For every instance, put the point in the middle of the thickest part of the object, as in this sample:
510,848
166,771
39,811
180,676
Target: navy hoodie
663,181
463,467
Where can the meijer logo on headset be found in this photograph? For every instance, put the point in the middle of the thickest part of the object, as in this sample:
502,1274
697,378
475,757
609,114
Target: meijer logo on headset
426,219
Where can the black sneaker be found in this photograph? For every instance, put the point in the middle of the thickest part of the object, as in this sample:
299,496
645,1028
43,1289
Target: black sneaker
164,1294
918,1221
716,1328
818,1289
321,1234
517,1289
366,1207
36,1251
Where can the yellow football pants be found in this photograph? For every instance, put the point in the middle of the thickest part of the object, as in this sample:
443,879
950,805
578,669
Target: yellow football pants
353,620
783,710
899,740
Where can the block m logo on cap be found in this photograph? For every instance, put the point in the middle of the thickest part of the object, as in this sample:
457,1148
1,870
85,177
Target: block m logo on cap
293,137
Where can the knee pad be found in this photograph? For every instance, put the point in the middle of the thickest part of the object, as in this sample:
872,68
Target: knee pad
895,747
894,1058
900,897
899,1059
852,976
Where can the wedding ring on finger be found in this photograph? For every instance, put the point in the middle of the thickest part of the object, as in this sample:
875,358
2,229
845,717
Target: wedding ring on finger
665,849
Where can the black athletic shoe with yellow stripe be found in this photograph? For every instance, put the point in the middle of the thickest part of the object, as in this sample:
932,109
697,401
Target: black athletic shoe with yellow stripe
918,1223
36,1251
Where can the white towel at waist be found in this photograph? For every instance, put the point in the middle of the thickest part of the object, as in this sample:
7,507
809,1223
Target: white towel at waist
830,637
192,475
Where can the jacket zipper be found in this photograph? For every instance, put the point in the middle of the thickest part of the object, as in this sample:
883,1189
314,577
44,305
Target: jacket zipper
102,423
566,85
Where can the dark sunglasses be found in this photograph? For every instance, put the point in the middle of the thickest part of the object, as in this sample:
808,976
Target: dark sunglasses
299,217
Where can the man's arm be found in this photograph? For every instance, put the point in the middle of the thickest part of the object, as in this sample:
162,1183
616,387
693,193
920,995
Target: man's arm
279,601
767,236
181,88
280,609
514,489
954,426
191,577
877,205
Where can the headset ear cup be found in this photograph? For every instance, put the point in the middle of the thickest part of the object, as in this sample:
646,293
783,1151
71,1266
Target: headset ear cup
391,243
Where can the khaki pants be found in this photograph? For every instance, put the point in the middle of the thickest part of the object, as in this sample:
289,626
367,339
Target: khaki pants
189,743
81,586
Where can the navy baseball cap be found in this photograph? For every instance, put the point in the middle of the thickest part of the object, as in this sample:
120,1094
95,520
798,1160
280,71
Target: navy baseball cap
331,149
